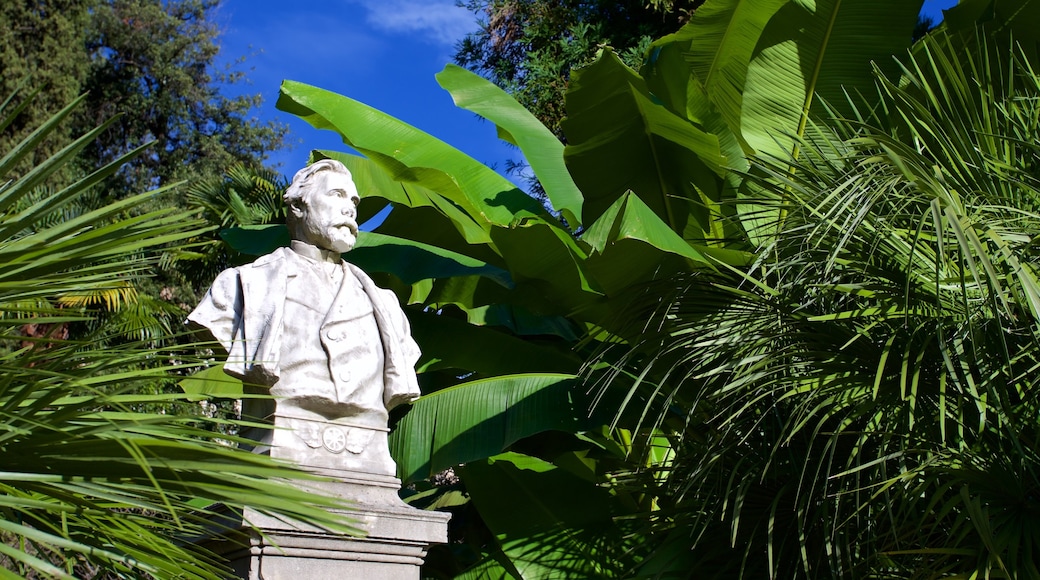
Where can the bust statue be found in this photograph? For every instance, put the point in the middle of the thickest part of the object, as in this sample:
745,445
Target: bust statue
333,349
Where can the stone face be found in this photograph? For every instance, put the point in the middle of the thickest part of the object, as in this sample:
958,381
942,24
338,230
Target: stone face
335,352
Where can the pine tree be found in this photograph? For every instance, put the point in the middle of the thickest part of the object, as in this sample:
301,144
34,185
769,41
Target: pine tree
153,63
41,48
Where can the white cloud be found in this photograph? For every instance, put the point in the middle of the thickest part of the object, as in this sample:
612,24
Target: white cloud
439,21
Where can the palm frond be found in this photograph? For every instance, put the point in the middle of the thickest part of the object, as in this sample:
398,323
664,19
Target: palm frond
91,484
854,385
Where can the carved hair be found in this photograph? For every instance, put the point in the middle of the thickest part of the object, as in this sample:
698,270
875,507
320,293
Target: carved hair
303,181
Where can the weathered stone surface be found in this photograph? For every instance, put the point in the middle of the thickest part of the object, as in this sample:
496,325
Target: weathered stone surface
333,348
335,352
394,547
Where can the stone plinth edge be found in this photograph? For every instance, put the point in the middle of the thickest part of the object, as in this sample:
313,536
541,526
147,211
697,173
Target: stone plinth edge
397,538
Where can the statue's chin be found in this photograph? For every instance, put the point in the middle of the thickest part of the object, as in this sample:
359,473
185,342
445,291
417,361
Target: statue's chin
342,245
338,239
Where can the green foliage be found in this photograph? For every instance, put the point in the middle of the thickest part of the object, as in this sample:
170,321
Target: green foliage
493,285
568,528
851,404
513,407
779,244
149,70
529,47
521,128
813,54
243,196
34,55
148,63
154,62
670,163
92,486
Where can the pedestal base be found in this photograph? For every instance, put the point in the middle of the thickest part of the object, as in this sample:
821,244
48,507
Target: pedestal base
394,547
357,460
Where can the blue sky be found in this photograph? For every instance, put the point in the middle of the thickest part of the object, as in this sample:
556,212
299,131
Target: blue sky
383,53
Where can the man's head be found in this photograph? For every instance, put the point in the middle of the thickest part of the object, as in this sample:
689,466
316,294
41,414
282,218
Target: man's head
322,206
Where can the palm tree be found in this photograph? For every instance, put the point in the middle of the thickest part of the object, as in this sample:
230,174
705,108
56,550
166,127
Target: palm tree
862,401
90,485
244,196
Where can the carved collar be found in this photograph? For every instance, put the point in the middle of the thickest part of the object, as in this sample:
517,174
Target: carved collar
315,253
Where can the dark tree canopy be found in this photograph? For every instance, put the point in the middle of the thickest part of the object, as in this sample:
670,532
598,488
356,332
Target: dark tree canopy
529,47
42,44
153,62
152,66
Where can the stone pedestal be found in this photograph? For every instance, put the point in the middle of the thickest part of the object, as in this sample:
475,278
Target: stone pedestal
396,534
396,540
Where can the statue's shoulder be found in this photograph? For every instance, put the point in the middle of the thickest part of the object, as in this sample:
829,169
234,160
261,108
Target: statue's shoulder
260,270
385,296
366,281
273,259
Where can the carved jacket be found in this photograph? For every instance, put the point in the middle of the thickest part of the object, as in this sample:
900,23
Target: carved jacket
244,311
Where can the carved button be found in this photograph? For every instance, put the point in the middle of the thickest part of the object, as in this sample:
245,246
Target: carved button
333,439
333,335
344,376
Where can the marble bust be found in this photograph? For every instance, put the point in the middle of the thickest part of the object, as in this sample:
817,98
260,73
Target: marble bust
333,349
